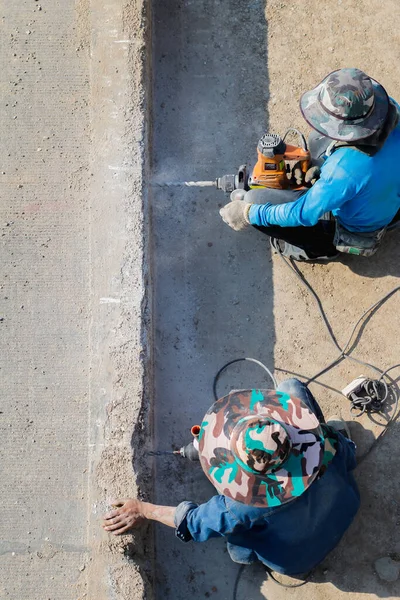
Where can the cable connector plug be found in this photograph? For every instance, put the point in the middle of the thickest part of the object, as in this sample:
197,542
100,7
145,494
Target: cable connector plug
366,395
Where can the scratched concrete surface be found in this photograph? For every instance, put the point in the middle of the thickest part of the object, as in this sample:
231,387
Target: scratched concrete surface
44,329
71,292
206,310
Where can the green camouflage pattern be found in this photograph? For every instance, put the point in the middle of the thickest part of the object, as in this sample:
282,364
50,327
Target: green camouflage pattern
347,105
263,448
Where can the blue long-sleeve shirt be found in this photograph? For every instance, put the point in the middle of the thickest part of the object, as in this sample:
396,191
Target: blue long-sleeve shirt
290,539
362,192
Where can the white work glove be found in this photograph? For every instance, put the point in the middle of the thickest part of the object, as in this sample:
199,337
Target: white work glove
236,214
312,175
294,175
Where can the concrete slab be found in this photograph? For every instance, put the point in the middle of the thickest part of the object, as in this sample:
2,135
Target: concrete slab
209,295
44,362
217,69
75,365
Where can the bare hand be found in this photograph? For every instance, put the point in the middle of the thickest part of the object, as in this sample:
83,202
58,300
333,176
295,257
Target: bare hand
127,513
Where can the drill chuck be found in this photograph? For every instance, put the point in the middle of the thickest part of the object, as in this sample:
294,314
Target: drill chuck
226,183
190,452
238,181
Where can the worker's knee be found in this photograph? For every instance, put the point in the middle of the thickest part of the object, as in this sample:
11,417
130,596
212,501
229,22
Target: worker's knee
257,196
240,555
295,388
291,386
318,145
272,196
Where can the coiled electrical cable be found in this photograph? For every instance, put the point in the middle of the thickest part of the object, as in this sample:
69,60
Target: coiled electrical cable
376,391
371,397
345,351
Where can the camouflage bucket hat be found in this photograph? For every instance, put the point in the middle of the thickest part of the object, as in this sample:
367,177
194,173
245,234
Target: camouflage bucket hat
347,105
263,448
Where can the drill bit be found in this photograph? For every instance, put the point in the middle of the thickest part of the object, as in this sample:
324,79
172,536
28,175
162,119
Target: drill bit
162,452
186,184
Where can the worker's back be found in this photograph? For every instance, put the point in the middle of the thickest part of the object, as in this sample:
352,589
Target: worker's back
297,536
376,180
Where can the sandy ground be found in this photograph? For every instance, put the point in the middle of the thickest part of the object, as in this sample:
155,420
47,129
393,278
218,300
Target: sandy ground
72,305
222,74
306,41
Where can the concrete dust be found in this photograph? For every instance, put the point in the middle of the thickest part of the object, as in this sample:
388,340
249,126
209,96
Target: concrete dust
120,567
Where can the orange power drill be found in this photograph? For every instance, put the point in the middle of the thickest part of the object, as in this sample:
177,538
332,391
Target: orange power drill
279,166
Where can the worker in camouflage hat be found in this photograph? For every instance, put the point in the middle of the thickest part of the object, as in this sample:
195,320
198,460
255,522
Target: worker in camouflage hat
351,193
347,106
286,493
263,448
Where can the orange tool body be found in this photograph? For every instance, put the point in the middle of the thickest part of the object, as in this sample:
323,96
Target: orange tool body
276,160
276,167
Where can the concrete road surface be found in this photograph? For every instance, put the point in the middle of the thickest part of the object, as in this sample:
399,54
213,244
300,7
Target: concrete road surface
44,300
209,297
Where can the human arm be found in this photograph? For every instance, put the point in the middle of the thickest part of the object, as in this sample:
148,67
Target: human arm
191,521
334,188
202,522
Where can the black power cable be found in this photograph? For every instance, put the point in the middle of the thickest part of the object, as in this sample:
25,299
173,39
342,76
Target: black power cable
376,391
370,397
231,362
236,585
345,351
272,576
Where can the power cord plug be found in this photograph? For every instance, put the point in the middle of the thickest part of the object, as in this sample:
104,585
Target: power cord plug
366,395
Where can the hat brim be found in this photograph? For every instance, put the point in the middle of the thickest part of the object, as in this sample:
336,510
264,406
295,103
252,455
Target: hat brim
311,448
339,129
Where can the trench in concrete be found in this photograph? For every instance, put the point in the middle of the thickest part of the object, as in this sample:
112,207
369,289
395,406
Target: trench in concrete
212,286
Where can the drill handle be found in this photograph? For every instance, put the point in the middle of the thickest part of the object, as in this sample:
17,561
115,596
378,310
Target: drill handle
300,137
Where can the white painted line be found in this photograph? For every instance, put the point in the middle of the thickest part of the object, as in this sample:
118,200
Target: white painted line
112,168
110,300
